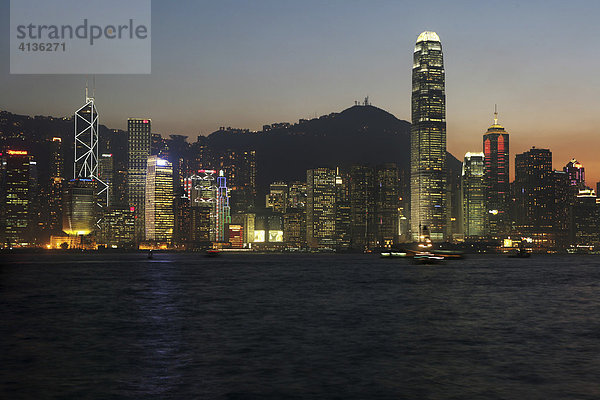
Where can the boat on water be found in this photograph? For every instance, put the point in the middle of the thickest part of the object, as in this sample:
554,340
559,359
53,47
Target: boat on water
521,253
393,254
212,253
426,257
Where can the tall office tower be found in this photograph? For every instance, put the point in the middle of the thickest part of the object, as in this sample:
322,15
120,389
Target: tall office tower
473,196
117,228
106,168
159,219
240,170
320,208
362,207
159,146
586,219
576,174
343,211
496,172
85,165
138,143
15,198
277,197
37,207
201,189
79,207
294,220
564,199
533,191
56,183
223,212
428,138
294,228
178,153
388,204
297,195
201,154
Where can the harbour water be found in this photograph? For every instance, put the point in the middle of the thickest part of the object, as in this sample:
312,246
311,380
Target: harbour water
102,326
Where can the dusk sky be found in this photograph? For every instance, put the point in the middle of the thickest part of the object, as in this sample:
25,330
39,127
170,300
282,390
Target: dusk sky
245,64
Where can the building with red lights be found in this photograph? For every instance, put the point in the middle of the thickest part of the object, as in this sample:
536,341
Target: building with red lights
496,178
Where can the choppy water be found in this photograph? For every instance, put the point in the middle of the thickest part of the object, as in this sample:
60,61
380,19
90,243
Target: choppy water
101,326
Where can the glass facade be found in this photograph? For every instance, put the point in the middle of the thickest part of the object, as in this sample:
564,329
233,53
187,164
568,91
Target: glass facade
428,138
160,217
138,143
473,195
320,209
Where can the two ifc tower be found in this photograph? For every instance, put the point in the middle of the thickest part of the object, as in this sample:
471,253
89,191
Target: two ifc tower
428,171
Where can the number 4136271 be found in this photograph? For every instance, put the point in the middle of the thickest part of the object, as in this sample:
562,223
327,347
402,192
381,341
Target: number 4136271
26,46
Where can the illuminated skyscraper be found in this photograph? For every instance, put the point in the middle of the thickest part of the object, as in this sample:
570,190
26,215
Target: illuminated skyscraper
320,208
277,197
86,146
428,138
15,198
497,186
362,207
586,219
294,221
79,207
387,205
201,190
576,174
473,195
106,167
55,191
240,170
159,219
139,134
223,212
534,192
343,211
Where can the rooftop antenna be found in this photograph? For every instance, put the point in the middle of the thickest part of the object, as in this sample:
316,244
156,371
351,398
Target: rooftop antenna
495,114
86,90
93,86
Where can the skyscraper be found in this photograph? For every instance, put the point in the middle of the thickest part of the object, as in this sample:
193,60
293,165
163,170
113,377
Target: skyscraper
138,143
201,189
320,208
106,167
277,197
159,200
240,170
576,174
387,204
473,195
223,211
586,219
497,186
55,189
362,207
85,165
79,207
428,138
15,199
343,211
534,191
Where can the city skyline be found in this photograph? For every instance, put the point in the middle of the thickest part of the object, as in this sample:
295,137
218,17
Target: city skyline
253,69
